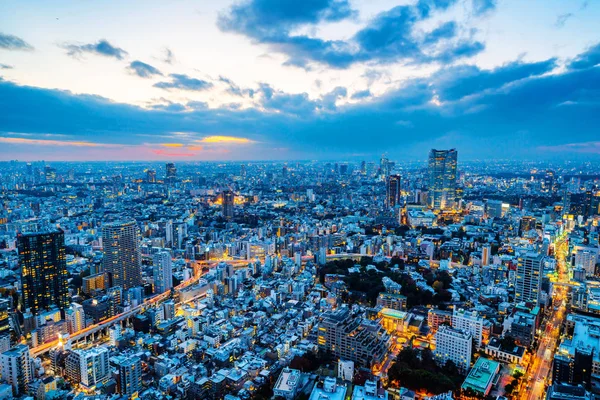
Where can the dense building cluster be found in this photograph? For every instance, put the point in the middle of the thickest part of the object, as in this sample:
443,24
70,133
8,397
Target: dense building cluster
300,280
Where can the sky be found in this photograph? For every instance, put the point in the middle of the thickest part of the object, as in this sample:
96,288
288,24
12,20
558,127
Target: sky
299,80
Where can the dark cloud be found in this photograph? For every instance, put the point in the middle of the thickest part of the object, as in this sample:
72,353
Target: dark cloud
102,48
234,89
518,107
588,59
389,37
143,70
184,82
466,80
481,7
262,19
562,19
5,66
11,42
363,94
169,57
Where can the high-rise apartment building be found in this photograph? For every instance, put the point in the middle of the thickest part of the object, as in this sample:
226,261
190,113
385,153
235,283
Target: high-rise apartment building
468,321
75,316
228,198
17,368
529,277
163,271
587,258
93,366
442,179
392,197
352,338
122,259
130,376
453,344
44,274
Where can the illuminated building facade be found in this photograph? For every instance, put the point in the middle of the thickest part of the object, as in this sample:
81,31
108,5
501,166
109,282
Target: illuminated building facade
44,273
442,178
171,172
529,278
122,258
228,199
392,198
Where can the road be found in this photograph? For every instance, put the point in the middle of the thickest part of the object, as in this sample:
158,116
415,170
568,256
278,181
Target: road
534,381
44,348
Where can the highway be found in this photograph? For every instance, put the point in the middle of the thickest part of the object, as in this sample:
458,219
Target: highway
44,348
535,379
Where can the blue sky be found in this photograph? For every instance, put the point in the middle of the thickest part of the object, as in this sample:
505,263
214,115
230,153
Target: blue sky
282,79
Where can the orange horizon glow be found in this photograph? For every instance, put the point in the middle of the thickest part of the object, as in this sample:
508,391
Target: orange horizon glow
221,139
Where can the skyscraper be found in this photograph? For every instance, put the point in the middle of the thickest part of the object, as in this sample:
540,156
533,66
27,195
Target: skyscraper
392,198
44,273
529,278
163,272
227,197
4,325
171,172
442,178
122,259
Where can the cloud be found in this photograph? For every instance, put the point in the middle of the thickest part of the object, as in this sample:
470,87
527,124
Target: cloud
363,94
5,66
11,42
184,82
172,144
169,57
390,37
234,89
481,7
143,70
218,139
102,48
562,19
519,106
587,59
49,142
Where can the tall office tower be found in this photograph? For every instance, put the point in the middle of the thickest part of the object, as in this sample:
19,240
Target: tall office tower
470,322
130,376
352,338
363,168
176,231
453,344
442,178
44,272
526,224
93,366
392,197
227,197
151,176
4,325
486,254
384,165
171,172
163,272
75,318
17,368
529,278
122,259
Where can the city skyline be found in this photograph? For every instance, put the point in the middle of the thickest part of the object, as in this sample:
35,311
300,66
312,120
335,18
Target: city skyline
269,80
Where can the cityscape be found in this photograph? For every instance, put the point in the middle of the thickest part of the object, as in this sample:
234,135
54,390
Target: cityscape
300,200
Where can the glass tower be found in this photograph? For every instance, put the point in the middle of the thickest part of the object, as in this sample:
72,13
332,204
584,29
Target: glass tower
442,179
